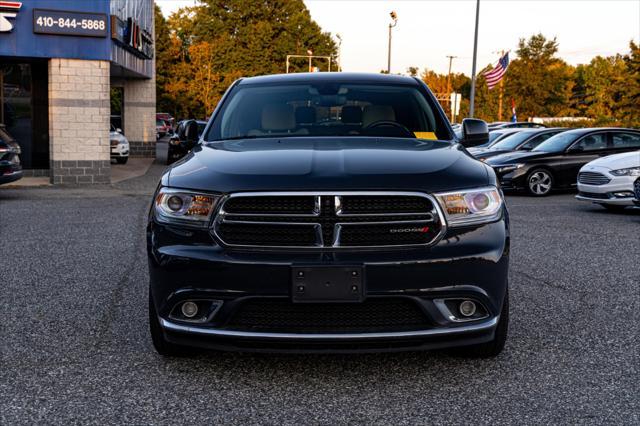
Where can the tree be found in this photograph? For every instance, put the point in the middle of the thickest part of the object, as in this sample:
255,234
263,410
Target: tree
214,43
539,82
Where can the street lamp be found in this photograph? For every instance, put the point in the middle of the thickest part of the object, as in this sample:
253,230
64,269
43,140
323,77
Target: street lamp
472,98
339,37
393,23
310,53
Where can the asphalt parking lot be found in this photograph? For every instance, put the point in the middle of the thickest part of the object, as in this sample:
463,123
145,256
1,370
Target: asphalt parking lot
75,349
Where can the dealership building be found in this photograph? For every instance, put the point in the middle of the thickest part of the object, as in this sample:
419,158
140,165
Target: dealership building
69,70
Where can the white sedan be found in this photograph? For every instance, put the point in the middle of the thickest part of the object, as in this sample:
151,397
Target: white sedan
119,146
608,181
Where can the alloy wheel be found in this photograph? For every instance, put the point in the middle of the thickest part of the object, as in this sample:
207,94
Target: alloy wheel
540,183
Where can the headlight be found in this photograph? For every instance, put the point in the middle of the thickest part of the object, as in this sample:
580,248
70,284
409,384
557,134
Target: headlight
179,207
471,207
507,169
631,171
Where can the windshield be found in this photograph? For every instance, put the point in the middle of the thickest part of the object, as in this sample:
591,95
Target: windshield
512,141
557,143
328,109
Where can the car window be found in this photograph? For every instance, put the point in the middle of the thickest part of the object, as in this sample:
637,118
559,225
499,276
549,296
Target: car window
326,109
592,142
512,141
537,141
626,140
557,143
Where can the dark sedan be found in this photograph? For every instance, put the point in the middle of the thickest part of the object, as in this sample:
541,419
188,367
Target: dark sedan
554,164
524,140
10,167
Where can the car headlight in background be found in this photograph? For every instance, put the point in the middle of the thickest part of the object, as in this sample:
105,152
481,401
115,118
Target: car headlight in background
471,207
181,207
631,171
507,169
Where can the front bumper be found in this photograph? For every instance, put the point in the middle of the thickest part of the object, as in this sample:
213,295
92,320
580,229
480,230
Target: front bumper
120,150
9,172
606,194
470,263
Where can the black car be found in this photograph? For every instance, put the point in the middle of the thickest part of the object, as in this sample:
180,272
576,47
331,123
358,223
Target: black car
329,212
516,125
179,145
10,167
554,164
636,191
524,140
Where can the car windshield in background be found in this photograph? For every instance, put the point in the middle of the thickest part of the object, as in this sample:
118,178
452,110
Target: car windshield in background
557,143
294,110
512,141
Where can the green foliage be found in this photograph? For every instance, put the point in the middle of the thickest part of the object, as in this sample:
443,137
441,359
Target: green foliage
214,43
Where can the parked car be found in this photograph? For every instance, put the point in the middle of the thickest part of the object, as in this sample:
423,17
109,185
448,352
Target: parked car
518,125
163,128
119,146
494,137
608,181
554,164
10,167
179,145
329,212
524,140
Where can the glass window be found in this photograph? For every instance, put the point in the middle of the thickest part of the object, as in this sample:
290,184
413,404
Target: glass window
512,141
626,140
557,143
331,109
592,142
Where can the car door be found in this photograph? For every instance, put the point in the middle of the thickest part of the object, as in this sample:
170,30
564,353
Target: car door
582,151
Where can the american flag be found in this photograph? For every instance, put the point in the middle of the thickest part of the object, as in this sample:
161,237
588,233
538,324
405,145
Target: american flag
493,76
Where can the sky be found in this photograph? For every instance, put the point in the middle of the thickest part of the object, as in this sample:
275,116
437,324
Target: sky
429,30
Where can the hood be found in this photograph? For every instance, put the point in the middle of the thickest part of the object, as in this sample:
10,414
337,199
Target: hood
616,161
351,163
516,156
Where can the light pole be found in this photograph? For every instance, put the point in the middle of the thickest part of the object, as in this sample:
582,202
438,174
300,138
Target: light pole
473,68
310,53
394,19
339,37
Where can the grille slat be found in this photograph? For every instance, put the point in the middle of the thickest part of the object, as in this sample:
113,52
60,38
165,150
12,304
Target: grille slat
593,178
328,220
372,315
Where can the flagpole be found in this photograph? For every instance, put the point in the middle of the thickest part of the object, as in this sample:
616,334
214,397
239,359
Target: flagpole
501,93
473,69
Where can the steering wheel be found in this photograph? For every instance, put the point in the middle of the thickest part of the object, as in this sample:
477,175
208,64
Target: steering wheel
389,123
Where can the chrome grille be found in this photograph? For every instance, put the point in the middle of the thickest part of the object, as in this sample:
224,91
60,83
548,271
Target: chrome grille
636,188
592,178
328,220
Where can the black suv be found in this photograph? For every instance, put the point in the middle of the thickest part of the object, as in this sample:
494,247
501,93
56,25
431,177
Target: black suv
10,167
329,212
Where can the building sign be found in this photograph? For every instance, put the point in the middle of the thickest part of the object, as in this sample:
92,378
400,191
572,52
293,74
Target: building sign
8,9
130,36
60,22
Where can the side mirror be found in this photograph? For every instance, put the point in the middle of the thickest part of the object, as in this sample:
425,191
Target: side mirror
119,130
191,133
474,132
575,149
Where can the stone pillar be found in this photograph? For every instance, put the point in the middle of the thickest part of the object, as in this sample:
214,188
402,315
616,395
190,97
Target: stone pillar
79,109
140,116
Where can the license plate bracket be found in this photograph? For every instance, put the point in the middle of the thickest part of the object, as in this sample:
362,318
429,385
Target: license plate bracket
327,284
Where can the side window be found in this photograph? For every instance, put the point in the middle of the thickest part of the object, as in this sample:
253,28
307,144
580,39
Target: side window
536,141
626,140
593,142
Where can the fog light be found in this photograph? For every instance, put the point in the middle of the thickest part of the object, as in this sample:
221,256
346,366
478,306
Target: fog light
467,308
190,309
623,194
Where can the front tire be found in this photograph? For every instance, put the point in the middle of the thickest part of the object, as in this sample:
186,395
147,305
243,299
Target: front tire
539,182
161,345
494,347
122,160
